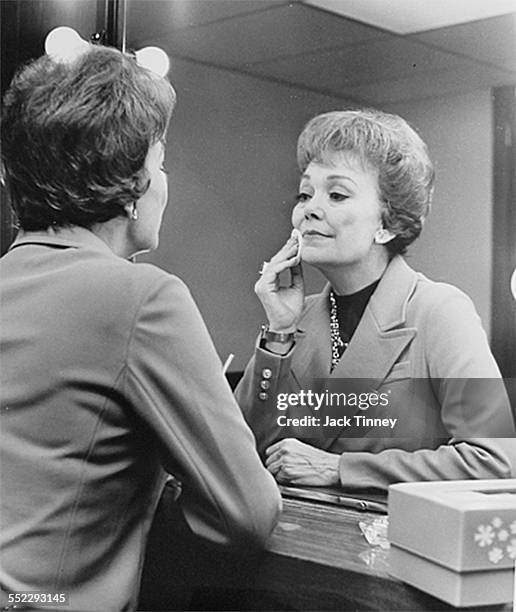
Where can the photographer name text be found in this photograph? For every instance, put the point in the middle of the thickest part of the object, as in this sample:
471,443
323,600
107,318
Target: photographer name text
355,421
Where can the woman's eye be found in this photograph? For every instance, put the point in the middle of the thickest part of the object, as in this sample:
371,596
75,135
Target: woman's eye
163,169
335,196
303,197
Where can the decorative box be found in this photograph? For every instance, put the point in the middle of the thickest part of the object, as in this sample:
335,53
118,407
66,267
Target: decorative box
455,539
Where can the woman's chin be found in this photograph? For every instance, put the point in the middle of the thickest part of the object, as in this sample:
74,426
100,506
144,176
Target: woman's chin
312,258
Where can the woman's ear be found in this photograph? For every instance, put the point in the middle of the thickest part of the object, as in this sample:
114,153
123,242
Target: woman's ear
383,236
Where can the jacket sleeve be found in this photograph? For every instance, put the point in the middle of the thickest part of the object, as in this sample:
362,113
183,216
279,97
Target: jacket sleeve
265,376
474,409
176,385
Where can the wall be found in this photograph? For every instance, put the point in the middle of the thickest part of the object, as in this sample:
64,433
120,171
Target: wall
456,243
231,153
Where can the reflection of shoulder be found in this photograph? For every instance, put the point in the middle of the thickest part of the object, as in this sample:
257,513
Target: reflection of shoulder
441,308
430,295
450,331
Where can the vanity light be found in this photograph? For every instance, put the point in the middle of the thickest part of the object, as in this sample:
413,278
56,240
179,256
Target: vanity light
63,44
155,59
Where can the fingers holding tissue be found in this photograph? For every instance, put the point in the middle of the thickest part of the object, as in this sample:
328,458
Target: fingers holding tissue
283,305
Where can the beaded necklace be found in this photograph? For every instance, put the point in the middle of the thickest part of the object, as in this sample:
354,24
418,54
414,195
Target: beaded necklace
338,346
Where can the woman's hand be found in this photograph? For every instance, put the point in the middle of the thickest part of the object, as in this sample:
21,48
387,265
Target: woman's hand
294,462
283,305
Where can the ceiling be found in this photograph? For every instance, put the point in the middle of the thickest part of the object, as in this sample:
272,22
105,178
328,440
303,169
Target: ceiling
410,16
299,44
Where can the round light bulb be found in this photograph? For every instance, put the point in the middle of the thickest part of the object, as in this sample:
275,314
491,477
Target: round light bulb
513,284
63,44
154,59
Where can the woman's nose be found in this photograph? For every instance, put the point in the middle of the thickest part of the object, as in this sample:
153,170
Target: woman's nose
312,210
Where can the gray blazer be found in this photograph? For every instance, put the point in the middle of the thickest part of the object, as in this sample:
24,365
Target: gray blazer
108,373
423,343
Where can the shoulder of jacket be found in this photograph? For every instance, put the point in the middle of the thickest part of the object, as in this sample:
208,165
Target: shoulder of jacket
429,294
133,281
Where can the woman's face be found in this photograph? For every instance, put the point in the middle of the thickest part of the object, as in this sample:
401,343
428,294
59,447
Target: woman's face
150,207
338,212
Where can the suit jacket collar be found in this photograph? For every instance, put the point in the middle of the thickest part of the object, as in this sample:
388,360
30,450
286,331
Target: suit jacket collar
378,340
65,237
388,303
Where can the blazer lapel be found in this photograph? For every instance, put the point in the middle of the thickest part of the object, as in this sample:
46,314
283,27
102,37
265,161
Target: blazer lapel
313,355
378,340
376,345
381,337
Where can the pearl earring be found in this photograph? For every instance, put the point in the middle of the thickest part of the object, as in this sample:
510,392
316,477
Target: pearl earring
134,213
379,236
382,236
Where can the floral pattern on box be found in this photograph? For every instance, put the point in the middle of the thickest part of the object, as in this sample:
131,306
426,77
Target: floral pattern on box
498,538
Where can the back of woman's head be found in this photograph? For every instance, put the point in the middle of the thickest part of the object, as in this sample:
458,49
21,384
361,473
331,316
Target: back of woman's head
75,136
387,144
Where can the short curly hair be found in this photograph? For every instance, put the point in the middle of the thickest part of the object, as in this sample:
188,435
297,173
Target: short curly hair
388,144
75,136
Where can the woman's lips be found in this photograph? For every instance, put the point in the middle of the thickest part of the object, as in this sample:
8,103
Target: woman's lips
314,234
